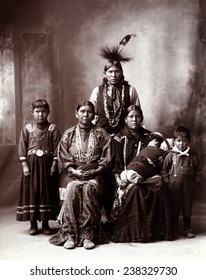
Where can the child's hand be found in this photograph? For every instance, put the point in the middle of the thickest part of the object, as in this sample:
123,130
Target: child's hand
25,168
121,183
123,187
53,168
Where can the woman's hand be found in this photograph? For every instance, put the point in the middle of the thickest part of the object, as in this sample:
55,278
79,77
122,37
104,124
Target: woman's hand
90,174
77,173
84,175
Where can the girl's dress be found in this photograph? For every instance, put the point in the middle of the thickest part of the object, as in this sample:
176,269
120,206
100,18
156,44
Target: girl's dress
80,216
39,192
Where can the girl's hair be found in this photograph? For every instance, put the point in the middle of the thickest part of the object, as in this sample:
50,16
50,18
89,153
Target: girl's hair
182,131
40,103
85,103
134,108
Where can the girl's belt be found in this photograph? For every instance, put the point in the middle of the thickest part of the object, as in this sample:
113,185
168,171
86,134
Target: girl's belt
39,152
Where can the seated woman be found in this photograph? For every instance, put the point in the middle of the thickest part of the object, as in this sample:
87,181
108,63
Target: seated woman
144,213
143,166
83,154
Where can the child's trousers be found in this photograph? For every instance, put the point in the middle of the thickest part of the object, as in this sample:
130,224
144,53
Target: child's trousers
181,196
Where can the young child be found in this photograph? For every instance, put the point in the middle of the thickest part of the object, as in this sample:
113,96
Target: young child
39,195
181,175
146,164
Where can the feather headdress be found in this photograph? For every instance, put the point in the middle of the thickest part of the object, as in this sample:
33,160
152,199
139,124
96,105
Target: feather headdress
114,53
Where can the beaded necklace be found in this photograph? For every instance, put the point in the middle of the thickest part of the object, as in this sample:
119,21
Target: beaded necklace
114,120
40,133
84,157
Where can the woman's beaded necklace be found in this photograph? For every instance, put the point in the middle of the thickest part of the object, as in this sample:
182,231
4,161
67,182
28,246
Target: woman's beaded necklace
84,157
114,120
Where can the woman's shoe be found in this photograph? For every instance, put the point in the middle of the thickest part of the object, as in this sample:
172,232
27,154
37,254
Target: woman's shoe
34,228
88,244
69,244
45,228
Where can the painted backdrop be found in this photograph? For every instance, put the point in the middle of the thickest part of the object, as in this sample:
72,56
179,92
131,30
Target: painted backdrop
167,67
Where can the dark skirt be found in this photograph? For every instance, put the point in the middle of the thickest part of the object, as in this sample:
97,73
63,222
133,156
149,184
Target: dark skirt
39,192
144,215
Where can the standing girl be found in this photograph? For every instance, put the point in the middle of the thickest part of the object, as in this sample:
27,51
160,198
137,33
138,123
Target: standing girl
39,195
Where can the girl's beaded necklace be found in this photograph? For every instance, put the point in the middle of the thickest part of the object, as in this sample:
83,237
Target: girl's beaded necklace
40,133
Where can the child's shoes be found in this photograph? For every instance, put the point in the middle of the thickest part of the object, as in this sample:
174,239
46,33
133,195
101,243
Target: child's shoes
34,228
189,233
45,228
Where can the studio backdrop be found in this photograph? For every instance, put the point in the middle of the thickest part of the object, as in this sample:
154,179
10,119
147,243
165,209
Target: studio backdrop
50,49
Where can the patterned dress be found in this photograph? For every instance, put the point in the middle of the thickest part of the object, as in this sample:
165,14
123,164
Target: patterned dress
38,194
81,217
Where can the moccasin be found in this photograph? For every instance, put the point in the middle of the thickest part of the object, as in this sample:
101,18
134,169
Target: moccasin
88,244
69,244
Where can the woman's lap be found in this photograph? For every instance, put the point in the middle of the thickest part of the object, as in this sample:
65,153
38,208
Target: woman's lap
143,214
81,214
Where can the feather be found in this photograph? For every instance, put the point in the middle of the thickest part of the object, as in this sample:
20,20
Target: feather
126,39
114,53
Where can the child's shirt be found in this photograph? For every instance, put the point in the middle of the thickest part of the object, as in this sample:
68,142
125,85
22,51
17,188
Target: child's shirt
181,166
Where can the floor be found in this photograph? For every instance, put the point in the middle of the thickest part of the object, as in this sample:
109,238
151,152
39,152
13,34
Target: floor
15,241
17,244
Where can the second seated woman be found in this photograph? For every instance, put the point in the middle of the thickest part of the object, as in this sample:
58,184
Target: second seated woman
144,214
83,155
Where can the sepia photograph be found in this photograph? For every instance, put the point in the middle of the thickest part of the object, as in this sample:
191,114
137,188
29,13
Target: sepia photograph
102,139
